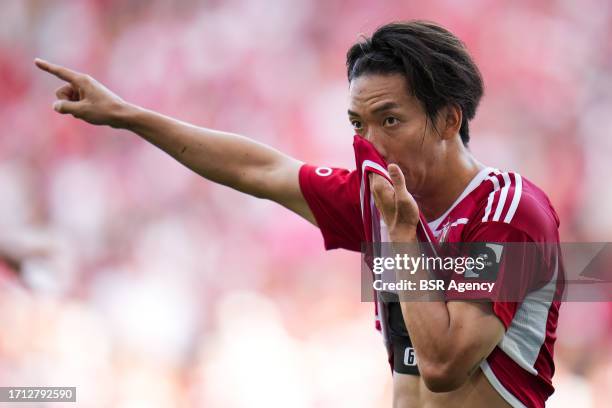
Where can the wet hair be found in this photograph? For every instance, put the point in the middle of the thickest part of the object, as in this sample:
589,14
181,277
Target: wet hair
436,65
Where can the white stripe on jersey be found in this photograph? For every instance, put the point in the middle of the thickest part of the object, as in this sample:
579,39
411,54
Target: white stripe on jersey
364,166
518,190
502,197
504,191
499,387
495,182
374,165
527,331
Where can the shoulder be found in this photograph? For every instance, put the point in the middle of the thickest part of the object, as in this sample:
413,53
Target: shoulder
509,201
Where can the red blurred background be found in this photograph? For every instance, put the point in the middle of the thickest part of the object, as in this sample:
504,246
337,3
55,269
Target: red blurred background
145,285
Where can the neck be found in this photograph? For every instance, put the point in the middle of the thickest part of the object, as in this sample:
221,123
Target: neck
448,184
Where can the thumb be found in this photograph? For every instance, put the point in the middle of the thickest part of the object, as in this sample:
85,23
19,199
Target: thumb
63,106
399,182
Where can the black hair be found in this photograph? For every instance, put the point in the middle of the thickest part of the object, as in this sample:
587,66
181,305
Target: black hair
437,66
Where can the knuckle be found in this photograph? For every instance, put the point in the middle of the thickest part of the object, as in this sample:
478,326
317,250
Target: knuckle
83,79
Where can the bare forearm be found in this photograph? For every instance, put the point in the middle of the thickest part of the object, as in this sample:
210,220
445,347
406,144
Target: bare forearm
450,338
430,329
450,347
425,313
222,157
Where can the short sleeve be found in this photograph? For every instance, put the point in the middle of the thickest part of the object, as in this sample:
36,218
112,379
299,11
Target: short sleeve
513,265
333,197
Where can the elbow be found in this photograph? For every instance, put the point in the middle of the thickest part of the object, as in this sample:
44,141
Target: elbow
442,377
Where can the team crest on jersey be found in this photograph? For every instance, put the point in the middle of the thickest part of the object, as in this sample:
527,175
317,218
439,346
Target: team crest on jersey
443,236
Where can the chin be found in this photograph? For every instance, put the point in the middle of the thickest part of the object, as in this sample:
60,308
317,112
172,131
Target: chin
409,177
411,185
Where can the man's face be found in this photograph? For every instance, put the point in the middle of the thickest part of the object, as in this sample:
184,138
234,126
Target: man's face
383,112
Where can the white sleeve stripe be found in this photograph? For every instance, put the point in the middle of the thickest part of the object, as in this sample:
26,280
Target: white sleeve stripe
518,190
495,182
502,197
499,387
374,165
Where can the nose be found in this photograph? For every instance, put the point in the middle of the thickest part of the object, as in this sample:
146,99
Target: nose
374,137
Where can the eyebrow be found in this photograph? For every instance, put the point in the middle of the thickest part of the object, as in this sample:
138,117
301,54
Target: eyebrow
382,108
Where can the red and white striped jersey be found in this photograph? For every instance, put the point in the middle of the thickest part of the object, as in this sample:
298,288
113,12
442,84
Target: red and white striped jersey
495,207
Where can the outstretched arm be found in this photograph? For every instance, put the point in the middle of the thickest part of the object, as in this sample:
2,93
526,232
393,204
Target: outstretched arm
229,159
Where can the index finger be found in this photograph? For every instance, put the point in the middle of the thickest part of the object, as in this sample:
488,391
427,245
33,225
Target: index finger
64,73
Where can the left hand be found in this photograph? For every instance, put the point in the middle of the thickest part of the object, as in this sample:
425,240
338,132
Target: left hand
83,97
396,205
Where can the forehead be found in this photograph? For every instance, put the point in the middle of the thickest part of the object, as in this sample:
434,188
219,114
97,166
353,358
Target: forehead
369,90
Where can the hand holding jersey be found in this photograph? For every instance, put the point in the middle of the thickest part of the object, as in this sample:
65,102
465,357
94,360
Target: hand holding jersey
399,210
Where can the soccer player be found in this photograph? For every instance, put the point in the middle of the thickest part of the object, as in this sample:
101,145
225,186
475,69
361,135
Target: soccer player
413,90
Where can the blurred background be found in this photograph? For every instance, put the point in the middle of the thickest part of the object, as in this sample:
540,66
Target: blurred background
144,285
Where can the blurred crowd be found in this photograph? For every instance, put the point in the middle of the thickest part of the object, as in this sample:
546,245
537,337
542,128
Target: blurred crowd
143,285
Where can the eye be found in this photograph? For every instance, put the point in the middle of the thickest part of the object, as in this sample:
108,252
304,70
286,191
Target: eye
390,121
356,124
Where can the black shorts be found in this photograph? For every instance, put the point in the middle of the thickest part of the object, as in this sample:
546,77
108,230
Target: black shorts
404,359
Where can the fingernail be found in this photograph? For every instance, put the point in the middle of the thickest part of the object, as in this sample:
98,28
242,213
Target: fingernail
56,106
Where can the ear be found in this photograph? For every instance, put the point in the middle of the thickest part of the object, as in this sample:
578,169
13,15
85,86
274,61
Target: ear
450,121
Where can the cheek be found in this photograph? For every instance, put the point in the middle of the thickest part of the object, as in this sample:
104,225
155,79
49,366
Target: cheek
415,159
412,146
